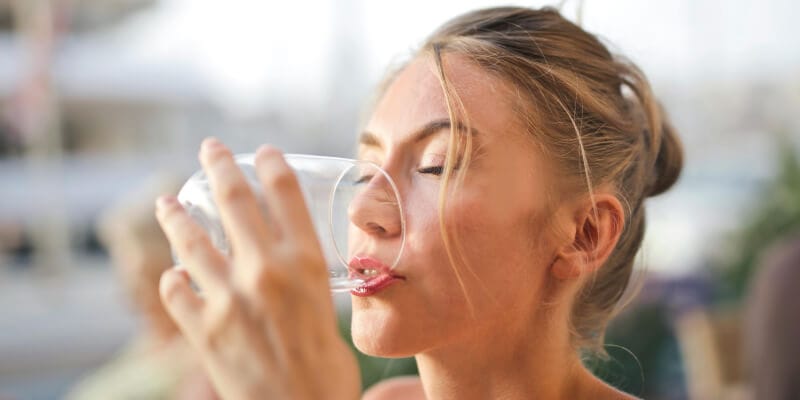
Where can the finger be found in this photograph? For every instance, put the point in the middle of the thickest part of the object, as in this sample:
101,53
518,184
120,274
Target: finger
192,245
282,192
238,208
181,302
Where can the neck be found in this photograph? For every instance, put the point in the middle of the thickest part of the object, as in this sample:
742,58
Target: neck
517,363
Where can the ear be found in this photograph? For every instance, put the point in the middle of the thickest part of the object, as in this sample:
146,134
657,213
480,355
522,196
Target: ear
594,233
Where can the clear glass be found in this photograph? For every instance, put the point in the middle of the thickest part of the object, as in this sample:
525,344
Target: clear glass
336,191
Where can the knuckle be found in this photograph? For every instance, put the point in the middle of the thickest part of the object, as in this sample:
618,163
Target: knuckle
280,179
169,289
234,192
311,264
221,317
194,241
272,281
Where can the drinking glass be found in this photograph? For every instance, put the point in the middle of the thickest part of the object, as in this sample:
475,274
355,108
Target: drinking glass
336,191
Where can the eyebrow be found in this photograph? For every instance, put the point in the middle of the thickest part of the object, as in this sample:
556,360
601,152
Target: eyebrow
370,139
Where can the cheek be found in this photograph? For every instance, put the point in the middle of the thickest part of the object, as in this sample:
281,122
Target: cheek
494,261
503,246
482,227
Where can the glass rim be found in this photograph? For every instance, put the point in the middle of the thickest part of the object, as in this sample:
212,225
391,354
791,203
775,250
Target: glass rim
399,209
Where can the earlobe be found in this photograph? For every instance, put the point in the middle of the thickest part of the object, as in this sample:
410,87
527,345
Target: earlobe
566,267
596,232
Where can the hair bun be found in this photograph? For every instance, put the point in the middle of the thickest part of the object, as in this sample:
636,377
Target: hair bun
668,163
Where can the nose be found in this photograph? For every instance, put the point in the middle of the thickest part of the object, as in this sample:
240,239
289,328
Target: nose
375,208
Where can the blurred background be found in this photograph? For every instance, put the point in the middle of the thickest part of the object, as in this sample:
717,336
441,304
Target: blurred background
99,96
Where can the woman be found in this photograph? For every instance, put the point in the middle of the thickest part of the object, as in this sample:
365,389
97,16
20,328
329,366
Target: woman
523,151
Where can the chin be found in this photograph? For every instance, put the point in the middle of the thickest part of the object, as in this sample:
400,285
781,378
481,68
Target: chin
382,333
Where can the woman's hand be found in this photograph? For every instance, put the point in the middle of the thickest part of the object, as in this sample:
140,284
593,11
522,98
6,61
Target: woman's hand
264,325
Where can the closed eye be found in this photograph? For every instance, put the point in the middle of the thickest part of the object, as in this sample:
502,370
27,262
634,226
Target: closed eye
434,170
363,179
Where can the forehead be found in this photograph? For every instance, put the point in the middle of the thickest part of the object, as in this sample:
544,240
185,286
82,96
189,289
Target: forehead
415,97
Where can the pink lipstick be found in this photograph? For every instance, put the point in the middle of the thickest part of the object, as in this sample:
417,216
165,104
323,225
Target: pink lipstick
375,274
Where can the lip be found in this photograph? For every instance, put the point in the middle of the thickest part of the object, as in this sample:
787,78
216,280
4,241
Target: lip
376,281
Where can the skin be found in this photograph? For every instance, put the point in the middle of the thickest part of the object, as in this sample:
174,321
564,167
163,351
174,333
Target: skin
529,247
518,234
265,325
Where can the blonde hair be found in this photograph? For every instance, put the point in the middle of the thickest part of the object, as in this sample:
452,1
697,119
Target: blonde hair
591,112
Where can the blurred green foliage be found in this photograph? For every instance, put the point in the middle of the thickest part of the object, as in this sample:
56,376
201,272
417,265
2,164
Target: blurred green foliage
643,357
774,215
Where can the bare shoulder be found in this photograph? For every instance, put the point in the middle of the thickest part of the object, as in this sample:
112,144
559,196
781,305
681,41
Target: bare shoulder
403,387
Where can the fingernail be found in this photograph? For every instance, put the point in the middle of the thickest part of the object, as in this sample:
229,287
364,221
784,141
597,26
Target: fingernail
165,201
268,154
266,150
210,143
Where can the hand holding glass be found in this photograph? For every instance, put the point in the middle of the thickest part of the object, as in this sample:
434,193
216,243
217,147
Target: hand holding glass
334,190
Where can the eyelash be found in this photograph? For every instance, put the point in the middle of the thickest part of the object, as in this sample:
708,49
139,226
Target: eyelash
435,170
363,179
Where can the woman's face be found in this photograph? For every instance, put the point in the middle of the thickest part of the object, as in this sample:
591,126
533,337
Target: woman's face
499,216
